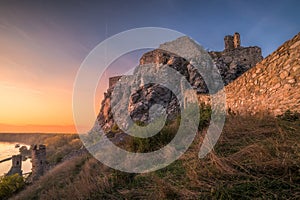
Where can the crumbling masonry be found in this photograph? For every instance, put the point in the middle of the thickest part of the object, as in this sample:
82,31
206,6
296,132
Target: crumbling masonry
38,159
16,167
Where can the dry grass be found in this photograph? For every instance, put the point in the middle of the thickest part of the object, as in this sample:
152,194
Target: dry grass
59,146
255,158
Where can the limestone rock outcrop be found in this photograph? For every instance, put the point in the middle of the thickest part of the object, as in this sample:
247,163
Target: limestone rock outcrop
231,63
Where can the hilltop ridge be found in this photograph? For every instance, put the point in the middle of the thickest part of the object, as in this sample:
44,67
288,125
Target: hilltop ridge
255,157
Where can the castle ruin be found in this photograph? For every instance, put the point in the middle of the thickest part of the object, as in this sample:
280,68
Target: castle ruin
270,87
232,41
16,167
113,80
236,40
38,159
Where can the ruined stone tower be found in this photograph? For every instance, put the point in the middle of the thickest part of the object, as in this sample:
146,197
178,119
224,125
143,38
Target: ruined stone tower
38,159
232,42
228,40
236,40
16,167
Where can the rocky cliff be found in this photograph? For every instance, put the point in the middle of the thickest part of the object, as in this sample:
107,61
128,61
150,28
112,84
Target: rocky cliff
231,63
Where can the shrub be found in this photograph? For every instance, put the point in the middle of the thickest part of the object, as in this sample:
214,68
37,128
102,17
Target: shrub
155,142
10,185
168,132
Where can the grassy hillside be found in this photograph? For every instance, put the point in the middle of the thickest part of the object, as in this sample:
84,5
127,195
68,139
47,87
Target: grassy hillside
254,158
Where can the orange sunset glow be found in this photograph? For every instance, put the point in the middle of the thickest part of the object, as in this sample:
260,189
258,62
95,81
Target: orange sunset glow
32,107
28,109
42,47
37,97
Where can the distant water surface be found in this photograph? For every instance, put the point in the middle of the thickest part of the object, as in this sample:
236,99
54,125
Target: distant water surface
8,149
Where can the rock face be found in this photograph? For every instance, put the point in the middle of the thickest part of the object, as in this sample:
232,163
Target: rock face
164,57
231,63
234,62
144,97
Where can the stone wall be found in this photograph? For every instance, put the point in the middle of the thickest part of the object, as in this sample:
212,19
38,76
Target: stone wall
113,80
271,87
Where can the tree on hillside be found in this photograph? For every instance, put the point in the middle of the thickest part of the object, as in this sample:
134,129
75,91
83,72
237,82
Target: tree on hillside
10,185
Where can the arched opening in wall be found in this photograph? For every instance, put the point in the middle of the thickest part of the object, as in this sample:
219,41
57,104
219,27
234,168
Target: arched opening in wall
41,162
18,163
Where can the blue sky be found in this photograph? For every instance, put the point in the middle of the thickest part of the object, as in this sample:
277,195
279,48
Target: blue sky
86,23
66,31
43,43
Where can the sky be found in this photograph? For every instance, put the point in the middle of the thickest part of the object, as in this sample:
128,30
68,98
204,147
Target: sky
43,43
